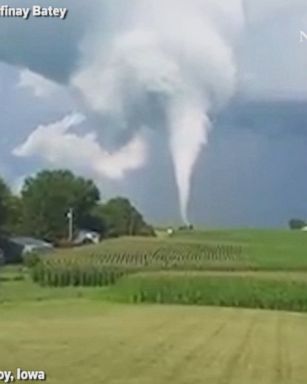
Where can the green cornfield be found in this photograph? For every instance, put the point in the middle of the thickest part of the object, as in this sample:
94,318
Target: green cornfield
205,289
103,265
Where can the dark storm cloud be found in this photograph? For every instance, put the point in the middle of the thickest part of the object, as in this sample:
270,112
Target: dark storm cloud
253,170
272,118
251,174
45,45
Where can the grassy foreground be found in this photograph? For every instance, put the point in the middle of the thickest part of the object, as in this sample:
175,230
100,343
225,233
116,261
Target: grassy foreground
76,336
84,341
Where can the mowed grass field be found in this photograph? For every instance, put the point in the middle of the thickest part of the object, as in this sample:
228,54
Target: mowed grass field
85,341
80,334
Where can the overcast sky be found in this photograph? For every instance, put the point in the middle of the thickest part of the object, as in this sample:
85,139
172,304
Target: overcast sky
55,110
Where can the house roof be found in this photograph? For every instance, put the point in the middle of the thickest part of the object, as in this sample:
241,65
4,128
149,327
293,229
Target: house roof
30,241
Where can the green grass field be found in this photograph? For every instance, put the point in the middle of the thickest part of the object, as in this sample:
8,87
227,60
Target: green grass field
265,249
84,334
84,341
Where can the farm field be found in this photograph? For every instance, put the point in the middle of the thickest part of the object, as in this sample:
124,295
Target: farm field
265,249
217,250
247,268
133,329
82,341
225,290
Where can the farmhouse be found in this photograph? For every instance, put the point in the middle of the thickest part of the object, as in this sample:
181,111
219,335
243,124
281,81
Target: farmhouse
14,248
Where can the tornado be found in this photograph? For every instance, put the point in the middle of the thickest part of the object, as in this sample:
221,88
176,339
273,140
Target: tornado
181,51
162,65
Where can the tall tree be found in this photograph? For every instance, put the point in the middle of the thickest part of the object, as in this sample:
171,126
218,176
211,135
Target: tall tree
14,222
49,195
4,202
122,218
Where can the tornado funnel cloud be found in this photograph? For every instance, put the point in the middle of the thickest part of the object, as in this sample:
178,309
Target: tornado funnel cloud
189,127
180,51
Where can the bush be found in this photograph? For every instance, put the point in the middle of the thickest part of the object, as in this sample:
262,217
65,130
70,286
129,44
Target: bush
31,259
297,224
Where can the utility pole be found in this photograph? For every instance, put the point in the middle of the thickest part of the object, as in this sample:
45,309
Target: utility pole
70,217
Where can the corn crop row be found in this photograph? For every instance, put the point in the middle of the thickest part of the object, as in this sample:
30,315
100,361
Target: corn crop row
76,275
215,291
103,265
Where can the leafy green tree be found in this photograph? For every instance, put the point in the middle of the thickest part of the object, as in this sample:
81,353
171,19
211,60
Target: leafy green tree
47,198
14,222
4,203
122,218
297,224
93,221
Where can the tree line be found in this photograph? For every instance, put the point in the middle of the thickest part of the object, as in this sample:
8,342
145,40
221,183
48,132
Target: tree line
297,224
41,209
